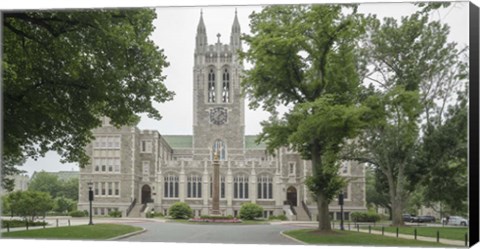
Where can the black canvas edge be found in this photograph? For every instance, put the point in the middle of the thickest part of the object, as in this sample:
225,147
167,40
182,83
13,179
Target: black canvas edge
474,125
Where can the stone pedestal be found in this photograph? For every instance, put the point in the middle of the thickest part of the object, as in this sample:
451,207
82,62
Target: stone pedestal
216,187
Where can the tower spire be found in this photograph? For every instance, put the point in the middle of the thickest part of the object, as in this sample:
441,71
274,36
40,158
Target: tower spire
235,35
201,39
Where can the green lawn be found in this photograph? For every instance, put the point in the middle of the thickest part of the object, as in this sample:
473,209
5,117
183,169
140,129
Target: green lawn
355,238
84,232
454,233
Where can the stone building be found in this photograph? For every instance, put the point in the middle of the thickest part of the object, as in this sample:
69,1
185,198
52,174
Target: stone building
135,171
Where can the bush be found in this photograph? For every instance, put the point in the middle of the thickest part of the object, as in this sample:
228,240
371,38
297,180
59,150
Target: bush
78,213
21,223
365,217
250,211
228,217
115,214
153,215
278,217
180,210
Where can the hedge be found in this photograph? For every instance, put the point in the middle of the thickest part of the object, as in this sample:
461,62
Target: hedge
364,217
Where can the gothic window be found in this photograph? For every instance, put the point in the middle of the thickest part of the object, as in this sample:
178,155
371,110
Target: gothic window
221,186
170,186
146,146
211,86
226,86
344,168
219,146
291,168
146,168
265,187
194,186
240,187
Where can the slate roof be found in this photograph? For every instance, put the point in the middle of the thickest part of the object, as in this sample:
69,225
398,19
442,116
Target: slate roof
186,141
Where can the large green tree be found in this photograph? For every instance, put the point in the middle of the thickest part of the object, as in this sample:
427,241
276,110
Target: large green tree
29,204
50,183
415,72
64,70
305,57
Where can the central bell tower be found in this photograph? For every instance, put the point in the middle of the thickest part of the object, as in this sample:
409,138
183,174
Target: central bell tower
218,106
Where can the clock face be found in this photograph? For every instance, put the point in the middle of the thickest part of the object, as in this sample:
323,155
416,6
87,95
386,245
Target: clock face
218,115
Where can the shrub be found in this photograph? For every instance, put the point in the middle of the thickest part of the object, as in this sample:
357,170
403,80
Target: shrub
278,217
153,215
365,217
78,213
21,223
180,210
115,214
228,217
250,211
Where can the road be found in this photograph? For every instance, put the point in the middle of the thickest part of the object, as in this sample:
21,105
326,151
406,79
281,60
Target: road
203,233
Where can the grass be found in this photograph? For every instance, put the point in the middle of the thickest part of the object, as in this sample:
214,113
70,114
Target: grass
311,236
454,233
83,232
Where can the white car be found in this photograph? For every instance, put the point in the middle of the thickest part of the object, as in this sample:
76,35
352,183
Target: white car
457,220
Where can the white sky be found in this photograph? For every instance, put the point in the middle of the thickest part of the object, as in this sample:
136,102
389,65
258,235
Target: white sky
175,33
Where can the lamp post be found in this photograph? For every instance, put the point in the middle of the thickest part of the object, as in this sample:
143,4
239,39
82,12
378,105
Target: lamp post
90,199
340,202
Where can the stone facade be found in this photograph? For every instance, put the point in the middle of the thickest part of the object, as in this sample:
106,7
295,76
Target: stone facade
131,167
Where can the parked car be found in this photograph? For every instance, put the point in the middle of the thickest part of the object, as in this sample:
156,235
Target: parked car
457,220
423,219
408,218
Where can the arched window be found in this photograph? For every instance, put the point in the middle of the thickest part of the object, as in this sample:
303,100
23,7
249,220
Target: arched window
221,186
194,186
265,187
170,186
226,86
219,146
211,86
240,187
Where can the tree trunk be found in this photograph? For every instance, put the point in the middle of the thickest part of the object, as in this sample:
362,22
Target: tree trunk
397,211
323,213
322,203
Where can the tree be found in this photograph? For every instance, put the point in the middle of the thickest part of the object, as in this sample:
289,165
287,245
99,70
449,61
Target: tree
306,57
63,205
443,155
63,71
376,193
45,182
30,204
414,70
69,189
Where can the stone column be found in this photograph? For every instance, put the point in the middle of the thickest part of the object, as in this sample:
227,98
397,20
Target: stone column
182,183
216,184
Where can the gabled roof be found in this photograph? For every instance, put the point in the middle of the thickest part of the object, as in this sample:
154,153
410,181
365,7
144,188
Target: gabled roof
186,141
251,144
179,141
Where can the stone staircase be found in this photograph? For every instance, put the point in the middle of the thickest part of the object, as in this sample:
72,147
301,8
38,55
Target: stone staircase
136,211
301,214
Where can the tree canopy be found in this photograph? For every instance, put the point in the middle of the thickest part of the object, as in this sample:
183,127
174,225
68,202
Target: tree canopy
65,70
306,57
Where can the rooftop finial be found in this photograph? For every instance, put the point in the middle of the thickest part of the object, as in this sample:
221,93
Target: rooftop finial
201,12
218,36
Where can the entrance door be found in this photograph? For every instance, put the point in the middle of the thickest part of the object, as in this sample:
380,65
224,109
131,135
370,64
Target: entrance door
292,196
146,194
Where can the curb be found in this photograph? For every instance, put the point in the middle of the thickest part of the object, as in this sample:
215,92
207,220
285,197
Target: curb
289,237
128,234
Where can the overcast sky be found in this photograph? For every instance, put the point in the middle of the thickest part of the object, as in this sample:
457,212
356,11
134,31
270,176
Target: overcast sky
175,33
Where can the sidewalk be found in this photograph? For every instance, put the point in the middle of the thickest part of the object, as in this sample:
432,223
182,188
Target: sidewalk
353,228
407,236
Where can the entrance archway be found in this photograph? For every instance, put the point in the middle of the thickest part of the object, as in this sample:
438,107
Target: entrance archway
146,194
292,196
